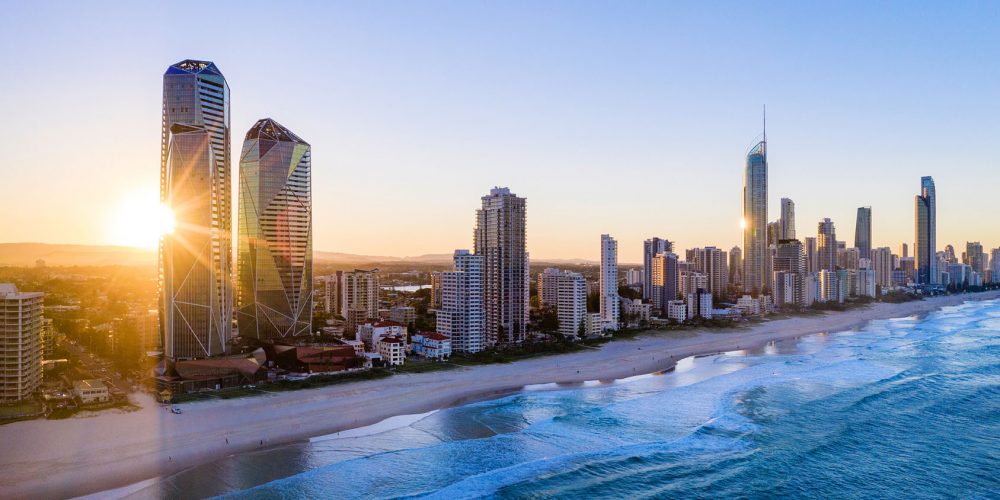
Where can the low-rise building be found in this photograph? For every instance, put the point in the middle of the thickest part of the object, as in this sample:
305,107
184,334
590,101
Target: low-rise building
403,314
91,391
699,304
677,310
393,350
370,333
748,306
432,345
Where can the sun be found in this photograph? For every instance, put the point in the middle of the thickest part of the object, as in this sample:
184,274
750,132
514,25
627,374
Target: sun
139,220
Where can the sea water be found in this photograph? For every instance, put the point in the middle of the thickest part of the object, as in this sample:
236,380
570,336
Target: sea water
902,408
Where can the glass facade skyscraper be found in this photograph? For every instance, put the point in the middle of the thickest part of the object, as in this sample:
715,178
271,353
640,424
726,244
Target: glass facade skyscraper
863,232
756,276
195,269
274,252
925,237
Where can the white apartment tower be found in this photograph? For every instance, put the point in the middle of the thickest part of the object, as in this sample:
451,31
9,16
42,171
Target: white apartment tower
20,343
461,315
608,285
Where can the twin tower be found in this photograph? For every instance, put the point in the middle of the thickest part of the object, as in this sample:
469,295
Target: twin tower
273,297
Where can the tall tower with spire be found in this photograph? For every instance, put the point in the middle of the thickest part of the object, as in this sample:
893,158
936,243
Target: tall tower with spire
755,254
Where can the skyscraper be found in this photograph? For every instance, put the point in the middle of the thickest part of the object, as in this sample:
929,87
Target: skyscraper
789,272
608,286
274,251
974,257
787,219
863,232
925,237
500,238
735,266
195,268
826,246
650,248
881,259
359,291
21,327
461,315
812,256
755,257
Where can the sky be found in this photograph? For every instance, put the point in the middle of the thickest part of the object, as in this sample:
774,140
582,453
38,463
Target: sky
629,118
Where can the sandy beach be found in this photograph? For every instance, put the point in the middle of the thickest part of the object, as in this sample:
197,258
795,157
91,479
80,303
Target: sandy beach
87,454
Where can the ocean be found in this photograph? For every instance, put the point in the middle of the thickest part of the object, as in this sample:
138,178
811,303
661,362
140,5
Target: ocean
902,408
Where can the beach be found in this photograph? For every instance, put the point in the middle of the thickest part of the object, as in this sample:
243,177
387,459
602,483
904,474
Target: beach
98,452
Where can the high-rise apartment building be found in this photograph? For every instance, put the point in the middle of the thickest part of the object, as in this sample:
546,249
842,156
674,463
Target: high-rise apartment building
925,237
789,260
500,238
826,246
332,292
665,284
461,315
195,268
712,262
21,327
568,290
882,265
787,219
863,232
974,257
735,266
812,255
548,287
274,247
608,284
904,250
359,291
650,249
756,276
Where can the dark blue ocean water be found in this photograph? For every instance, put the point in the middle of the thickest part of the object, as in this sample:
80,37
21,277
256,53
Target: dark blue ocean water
905,408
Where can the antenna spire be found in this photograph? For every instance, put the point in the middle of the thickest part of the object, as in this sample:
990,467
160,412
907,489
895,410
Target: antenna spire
765,124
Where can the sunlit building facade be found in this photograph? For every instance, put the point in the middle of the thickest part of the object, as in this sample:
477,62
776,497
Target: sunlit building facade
274,259
21,325
195,268
756,276
610,304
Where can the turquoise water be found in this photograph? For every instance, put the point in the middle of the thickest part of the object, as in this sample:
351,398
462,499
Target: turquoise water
905,408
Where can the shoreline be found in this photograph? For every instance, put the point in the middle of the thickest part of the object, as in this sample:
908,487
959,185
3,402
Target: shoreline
110,450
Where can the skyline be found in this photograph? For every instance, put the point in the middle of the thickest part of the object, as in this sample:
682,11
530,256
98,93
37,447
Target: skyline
590,106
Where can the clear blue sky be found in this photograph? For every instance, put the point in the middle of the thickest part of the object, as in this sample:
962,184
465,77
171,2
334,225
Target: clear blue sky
629,118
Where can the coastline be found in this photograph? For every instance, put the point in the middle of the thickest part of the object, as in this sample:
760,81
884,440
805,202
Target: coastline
109,450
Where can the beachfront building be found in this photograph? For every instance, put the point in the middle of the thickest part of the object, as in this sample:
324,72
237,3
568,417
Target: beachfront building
829,289
195,268
650,249
665,280
756,275
21,326
699,304
571,303
371,333
500,239
677,310
748,306
636,311
431,345
461,316
393,350
91,391
925,233
274,248
864,284
608,283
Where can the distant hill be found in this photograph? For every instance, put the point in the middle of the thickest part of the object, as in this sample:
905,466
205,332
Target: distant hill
26,254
